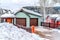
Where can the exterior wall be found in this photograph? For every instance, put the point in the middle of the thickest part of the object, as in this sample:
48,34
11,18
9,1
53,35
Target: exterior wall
21,15
28,16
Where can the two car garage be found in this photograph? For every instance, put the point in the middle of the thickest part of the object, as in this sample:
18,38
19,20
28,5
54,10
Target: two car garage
22,21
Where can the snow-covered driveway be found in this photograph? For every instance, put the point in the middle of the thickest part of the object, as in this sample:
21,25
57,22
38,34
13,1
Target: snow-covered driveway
52,34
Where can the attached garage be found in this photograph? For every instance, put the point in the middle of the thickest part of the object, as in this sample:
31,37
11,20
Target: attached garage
34,21
21,21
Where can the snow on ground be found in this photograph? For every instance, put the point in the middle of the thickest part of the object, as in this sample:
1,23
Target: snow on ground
56,34
10,32
53,33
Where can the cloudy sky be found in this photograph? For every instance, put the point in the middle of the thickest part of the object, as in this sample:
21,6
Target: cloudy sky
17,4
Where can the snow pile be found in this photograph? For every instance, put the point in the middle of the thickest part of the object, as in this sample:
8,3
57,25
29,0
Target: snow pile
11,32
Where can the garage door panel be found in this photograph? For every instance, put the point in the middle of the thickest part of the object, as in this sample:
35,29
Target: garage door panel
34,21
21,21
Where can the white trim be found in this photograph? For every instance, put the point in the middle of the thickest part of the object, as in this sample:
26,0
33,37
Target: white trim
14,20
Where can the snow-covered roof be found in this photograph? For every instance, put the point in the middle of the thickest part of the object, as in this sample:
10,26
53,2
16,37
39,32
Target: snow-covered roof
34,8
7,15
54,15
31,12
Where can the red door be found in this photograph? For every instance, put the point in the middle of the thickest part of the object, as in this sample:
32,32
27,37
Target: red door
34,21
21,21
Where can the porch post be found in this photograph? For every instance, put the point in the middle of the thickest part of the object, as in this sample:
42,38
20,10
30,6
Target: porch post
0,19
28,22
14,20
38,21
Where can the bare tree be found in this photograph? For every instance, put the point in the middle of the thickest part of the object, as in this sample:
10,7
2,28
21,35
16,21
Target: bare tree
42,5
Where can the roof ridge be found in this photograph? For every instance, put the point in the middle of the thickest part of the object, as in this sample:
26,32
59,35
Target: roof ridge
32,12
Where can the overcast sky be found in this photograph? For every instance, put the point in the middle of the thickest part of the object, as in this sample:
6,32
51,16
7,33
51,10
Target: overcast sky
17,4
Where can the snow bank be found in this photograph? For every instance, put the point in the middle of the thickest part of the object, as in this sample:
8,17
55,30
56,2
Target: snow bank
11,32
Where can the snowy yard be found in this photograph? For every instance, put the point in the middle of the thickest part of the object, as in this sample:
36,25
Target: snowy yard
10,32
